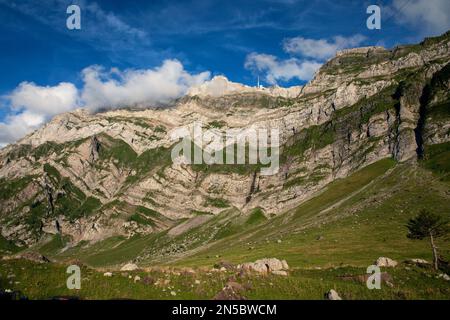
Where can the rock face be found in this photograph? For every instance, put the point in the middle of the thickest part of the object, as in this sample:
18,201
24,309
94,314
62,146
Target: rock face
385,262
94,176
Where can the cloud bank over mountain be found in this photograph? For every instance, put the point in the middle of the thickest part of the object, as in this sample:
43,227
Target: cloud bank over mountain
32,105
115,88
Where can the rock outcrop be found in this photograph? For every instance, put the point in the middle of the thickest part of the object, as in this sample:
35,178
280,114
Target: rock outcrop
129,267
267,265
385,262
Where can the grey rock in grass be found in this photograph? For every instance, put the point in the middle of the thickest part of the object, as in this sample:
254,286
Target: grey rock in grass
385,262
129,267
332,295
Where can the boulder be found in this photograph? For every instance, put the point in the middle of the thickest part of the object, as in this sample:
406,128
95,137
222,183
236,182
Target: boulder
332,295
385,262
444,276
107,274
266,265
129,267
136,279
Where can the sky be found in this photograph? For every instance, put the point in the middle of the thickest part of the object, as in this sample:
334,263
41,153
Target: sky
150,52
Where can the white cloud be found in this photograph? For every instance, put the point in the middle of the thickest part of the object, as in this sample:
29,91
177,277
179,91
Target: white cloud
428,16
115,88
283,70
321,48
47,100
17,126
32,105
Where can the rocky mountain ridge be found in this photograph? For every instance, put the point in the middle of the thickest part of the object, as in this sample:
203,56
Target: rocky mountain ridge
92,176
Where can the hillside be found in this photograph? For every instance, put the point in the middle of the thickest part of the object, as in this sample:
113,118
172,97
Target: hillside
364,146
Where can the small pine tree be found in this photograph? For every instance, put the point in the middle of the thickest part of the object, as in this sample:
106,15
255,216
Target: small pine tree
428,224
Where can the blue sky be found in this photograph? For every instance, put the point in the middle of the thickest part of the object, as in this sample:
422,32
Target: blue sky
281,41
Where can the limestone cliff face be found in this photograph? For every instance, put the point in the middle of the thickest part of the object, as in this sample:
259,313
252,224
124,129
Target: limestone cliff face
91,176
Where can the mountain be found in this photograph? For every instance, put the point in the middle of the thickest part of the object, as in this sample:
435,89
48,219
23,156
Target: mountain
371,124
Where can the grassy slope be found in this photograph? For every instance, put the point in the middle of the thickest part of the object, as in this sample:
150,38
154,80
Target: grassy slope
339,232
357,220
42,281
368,224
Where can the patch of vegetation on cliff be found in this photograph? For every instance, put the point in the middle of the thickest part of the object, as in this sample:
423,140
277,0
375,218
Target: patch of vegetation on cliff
256,216
217,202
159,157
313,178
438,108
20,150
123,155
437,159
117,149
363,110
146,216
139,219
7,246
72,203
216,124
313,137
439,112
404,50
353,62
241,169
44,150
141,122
9,188
55,244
